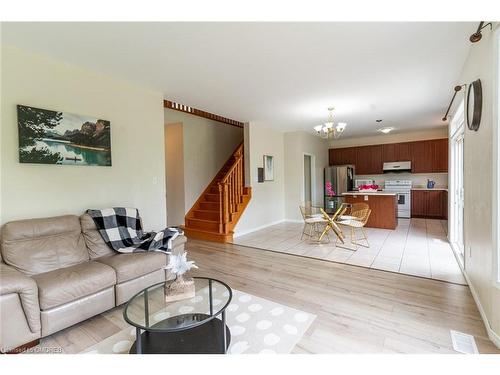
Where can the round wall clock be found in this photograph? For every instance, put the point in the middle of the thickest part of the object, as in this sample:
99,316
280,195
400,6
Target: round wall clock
474,104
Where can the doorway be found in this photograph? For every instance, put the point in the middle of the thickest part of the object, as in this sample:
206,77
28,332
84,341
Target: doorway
308,179
457,133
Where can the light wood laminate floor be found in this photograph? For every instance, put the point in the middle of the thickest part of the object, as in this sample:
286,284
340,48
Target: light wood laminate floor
359,310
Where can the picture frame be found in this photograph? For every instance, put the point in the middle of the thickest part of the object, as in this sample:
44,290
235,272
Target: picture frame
57,137
268,168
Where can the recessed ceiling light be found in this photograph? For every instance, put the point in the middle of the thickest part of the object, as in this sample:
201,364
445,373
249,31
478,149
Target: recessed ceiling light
386,130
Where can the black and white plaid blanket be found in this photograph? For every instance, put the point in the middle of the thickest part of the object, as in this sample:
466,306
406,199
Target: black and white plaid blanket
121,229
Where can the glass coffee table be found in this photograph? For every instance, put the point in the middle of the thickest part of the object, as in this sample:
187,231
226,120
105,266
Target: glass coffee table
195,325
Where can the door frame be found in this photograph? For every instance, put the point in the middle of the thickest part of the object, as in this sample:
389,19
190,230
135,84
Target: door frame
456,133
313,178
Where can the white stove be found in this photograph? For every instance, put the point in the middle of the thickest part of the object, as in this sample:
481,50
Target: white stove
403,190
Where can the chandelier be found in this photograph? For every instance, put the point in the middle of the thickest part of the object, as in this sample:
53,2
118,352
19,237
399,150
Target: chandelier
328,129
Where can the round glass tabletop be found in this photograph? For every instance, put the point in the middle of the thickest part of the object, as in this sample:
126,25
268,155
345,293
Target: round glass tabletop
149,311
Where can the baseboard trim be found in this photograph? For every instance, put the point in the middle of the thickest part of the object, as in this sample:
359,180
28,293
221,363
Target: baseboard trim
248,231
492,335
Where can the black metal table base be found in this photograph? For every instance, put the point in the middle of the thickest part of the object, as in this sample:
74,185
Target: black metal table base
206,338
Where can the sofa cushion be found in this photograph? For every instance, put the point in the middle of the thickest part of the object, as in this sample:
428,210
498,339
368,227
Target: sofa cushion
36,246
68,284
93,239
133,265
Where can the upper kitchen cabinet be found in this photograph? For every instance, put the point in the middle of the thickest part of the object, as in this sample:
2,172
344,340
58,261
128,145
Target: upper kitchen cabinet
369,160
429,156
440,155
393,152
342,156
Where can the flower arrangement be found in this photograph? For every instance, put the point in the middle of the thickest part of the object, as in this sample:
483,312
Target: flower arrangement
329,189
372,187
179,288
179,265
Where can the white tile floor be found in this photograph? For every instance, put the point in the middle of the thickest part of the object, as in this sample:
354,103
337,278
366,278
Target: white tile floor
417,247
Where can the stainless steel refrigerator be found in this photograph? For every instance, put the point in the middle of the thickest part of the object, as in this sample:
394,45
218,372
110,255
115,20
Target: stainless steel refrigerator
342,179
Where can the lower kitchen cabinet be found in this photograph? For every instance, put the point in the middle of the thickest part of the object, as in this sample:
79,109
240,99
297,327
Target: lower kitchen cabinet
431,204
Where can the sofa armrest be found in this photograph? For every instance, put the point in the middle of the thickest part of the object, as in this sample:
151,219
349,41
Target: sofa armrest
13,281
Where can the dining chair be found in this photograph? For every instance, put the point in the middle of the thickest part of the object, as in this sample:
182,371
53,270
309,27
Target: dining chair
356,220
312,219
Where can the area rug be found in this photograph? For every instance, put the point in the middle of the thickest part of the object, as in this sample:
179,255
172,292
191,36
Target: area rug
257,325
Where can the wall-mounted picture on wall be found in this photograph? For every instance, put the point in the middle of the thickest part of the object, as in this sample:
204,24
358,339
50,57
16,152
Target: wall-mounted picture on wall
268,168
52,137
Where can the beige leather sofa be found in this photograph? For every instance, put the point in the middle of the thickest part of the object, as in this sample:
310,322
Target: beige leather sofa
56,272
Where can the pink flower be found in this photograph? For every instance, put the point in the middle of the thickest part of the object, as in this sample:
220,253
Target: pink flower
329,190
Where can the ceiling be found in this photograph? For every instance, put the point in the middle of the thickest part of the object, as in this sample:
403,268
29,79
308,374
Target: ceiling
285,75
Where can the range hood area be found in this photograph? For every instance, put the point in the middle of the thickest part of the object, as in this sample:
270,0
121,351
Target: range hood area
397,167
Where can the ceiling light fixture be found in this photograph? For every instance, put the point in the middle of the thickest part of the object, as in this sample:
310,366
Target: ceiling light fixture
328,129
386,130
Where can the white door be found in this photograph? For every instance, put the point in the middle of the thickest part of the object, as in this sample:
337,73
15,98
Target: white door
308,185
456,217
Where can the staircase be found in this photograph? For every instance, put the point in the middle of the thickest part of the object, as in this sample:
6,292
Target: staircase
218,209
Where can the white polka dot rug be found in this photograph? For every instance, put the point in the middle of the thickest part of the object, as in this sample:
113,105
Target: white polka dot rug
257,325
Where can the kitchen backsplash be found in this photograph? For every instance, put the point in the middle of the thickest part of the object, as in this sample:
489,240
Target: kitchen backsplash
418,180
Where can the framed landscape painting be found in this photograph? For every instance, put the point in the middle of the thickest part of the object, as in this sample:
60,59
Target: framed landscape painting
52,137
268,168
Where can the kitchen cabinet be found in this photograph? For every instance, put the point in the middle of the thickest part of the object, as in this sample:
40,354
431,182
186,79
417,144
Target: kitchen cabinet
369,160
429,156
384,208
432,204
393,152
342,156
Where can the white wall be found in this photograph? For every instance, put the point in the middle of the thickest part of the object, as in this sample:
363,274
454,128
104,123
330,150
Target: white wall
296,145
137,176
478,182
207,145
267,203
174,172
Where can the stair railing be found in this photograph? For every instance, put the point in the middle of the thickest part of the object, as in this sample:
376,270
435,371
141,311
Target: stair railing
231,190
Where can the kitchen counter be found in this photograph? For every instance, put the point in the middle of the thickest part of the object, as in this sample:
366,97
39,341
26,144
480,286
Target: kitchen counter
434,188
383,205
369,193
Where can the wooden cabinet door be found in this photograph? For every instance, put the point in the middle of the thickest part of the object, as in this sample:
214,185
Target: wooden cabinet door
342,156
420,157
333,156
389,153
376,163
439,154
349,155
369,160
434,204
429,156
444,207
418,203
403,151
393,152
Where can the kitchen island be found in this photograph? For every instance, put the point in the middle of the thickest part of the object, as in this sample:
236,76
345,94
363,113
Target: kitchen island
383,205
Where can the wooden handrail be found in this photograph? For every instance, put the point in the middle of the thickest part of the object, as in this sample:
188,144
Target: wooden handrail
231,190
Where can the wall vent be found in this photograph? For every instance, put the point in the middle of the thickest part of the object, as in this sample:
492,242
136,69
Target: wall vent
463,342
